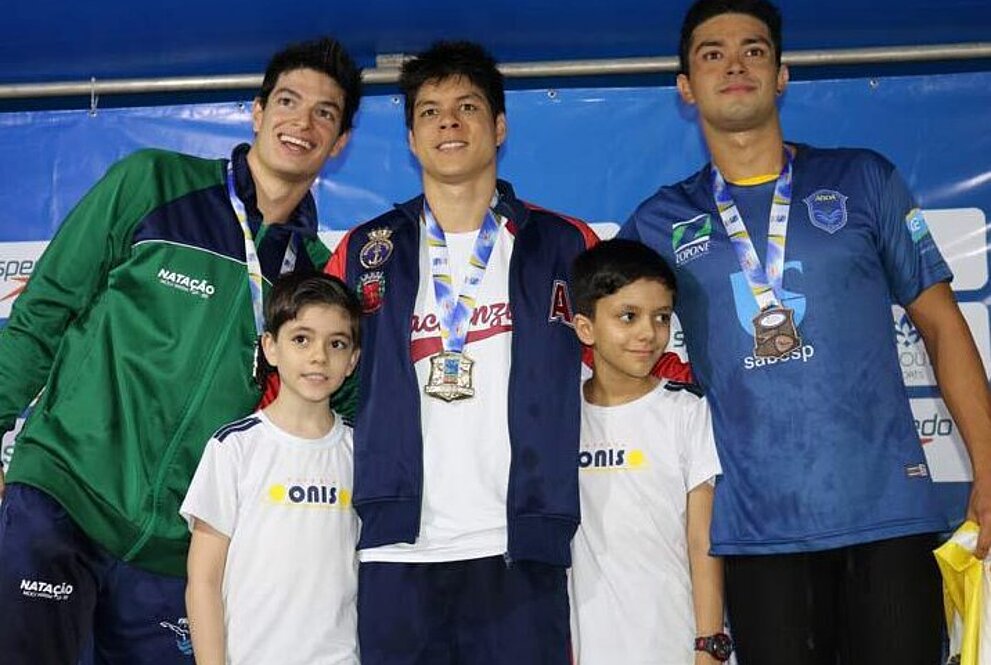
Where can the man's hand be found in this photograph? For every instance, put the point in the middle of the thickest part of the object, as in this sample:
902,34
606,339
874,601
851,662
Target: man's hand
964,387
979,511
1,482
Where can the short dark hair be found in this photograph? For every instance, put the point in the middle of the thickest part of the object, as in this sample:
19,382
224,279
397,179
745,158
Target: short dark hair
444,60
703,10
609,266
326,56
290,293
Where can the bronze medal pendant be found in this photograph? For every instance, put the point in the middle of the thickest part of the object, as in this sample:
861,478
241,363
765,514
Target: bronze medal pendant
450,376
775,333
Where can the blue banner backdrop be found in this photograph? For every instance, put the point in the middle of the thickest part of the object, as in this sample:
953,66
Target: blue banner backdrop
592,153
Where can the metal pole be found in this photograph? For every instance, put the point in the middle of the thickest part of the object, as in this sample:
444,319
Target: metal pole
545,69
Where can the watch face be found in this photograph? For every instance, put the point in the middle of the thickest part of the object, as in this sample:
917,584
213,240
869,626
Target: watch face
722,646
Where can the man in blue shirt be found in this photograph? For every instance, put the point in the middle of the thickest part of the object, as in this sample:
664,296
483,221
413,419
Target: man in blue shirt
788,260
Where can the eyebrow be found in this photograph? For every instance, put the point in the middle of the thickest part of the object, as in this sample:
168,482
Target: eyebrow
719,42
293,93
430,100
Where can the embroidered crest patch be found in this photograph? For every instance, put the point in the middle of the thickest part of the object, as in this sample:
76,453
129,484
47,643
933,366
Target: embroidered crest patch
377,250
827,210
371,291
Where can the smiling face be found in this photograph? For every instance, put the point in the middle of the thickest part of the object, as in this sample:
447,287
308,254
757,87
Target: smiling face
313,353
454,134
299,128
733,78
629,331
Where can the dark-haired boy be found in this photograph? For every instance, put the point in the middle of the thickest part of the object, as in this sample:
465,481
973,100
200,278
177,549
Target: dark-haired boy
139,323
466,436
790,257
643,586
272,568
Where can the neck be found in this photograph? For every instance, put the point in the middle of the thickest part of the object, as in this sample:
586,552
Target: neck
276,197
307,420
459,208
612,389
746,154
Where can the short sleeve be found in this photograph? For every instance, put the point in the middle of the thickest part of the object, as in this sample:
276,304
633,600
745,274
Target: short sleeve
912,261
212,494
700,460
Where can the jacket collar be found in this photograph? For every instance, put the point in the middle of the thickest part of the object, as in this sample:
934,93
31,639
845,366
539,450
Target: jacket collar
303,219
508,205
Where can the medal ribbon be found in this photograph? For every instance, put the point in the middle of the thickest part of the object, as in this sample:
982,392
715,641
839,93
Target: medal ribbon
456,308
765,286
251,256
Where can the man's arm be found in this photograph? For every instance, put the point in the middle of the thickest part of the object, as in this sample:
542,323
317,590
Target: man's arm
962,382
204,600
706,570
63,284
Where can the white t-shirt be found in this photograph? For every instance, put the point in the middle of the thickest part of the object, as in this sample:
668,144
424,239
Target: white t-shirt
290,583
466,451
631,591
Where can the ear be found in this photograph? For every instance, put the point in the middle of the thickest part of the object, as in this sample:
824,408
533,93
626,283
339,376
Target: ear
585,329
353,362
270,349
501,129
782,81
257,113
340,143
685,89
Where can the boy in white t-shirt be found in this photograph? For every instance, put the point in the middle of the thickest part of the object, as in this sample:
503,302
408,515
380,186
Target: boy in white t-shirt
272,565
643,586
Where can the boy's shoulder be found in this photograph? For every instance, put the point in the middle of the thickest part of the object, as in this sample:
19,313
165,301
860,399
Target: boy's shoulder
237,426
683,386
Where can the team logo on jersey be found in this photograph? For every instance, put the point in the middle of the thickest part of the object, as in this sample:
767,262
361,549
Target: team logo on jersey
916,223
371,291
827,210
690,238
560,311
193,285
181,631
746,305
46,590
610,458
377,249
309,495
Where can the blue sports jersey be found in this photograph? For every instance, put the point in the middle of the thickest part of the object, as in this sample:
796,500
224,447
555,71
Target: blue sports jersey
819,448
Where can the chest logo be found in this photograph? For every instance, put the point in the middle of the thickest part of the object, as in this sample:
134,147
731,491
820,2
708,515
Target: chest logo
690,238
371,291
827,210
377,250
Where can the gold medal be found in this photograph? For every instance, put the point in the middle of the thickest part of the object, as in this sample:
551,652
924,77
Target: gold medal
450,376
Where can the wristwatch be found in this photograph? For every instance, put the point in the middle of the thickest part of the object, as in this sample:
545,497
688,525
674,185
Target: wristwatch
719,646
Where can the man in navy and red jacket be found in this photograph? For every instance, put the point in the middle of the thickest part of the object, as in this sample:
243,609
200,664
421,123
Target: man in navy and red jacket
466,430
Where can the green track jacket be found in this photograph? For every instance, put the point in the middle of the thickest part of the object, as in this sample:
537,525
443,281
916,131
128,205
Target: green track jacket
137,323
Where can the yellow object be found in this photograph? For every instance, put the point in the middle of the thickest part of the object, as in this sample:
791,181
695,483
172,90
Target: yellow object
756,180
963,582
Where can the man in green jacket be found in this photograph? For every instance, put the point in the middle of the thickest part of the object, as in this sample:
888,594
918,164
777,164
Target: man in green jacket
139,327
